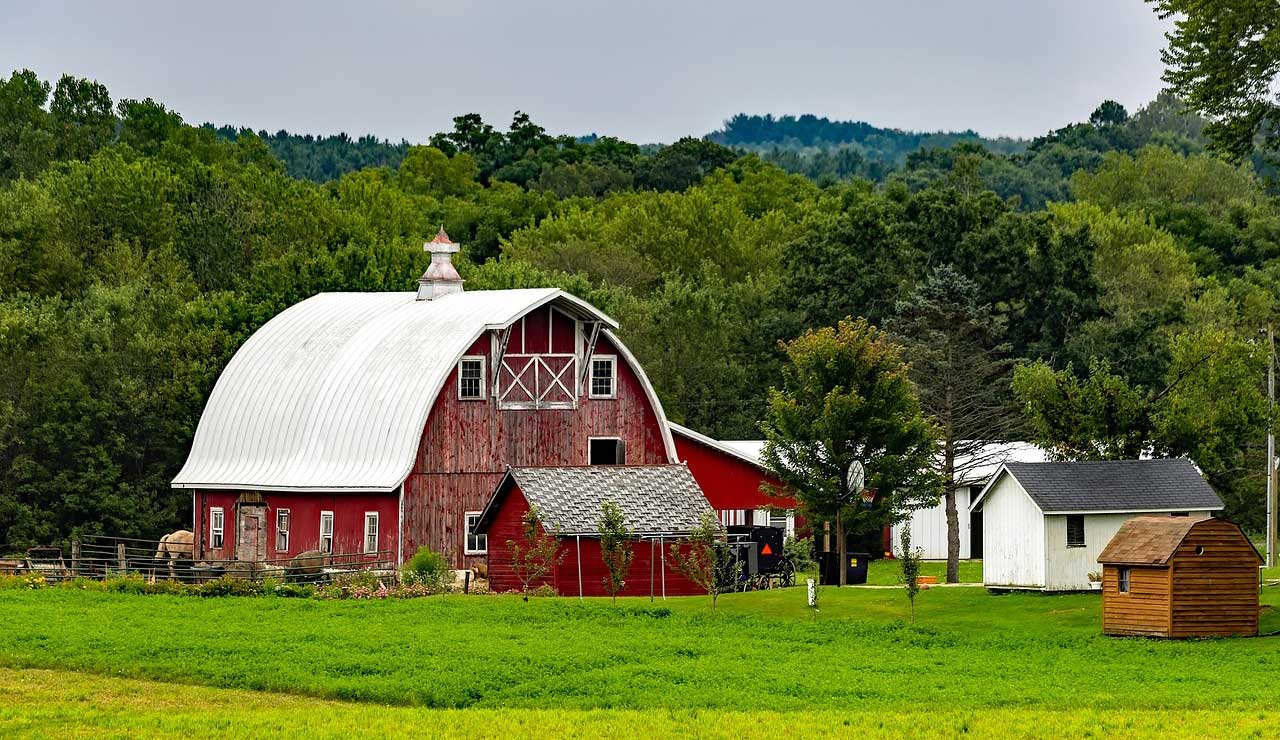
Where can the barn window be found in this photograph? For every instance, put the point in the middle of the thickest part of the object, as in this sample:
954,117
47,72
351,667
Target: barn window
606,451
1122,580
471,379
477,544
1179,513
604,376
326,531
216,521
1075,530
370,531
282,530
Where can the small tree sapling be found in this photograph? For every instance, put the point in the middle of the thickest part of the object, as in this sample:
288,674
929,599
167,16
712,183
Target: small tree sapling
615,547
537,554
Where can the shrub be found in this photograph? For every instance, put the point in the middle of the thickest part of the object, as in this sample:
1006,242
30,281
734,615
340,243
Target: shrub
799,550
428,568
228,586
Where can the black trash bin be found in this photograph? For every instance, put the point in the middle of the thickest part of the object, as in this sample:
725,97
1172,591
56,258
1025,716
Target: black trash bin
855,568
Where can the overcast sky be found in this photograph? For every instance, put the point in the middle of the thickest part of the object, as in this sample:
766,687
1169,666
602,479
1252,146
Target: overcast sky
648,71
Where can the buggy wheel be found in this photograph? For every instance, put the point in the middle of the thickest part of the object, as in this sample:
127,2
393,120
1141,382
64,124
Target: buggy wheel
786,573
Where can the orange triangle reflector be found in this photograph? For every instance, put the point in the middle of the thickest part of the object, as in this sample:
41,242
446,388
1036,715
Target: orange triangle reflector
766,550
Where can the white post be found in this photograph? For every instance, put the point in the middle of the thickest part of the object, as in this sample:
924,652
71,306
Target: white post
651,545
579,541
664,570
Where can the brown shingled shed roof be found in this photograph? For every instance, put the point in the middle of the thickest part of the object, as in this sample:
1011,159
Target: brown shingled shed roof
1148,540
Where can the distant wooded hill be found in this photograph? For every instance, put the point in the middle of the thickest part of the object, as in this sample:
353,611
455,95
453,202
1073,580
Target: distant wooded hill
813,132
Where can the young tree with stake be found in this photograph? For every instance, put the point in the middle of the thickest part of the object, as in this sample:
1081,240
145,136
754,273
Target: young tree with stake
707,562
846,398
537,555
615,547
909,560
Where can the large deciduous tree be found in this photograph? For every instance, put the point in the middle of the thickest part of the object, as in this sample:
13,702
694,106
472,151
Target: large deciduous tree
846,397
1223,58
963,371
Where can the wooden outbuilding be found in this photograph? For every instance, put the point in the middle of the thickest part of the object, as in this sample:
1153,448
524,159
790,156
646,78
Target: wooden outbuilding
662,506
1179,577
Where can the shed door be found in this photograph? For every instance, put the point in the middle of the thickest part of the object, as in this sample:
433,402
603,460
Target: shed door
251,531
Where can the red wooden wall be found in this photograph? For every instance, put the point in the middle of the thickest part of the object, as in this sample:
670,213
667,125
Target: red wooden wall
727,481
645,576
304,516
467,445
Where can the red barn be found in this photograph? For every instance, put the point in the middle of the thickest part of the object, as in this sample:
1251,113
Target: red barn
731,476
662,504
380,422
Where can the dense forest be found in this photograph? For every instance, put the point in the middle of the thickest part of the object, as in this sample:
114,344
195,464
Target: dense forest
1120,273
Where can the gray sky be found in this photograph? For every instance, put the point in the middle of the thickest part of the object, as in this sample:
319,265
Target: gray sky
651,71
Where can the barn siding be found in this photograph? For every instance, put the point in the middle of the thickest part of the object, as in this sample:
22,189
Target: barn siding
1013,546
466,446
1215,593
929,527
1142,611
304,529
645,577
727,482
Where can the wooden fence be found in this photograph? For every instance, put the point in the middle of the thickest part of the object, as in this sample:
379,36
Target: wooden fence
100,557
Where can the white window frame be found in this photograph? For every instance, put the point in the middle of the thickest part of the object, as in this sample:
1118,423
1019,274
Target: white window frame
615,439
217,528
1124,580
329,535
466,359
467,549
371,517
288,520
613,376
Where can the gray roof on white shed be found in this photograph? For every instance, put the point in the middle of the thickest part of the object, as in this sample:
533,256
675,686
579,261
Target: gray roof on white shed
333,393
1168,484
655,499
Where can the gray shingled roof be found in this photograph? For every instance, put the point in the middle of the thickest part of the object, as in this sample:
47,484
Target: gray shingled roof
1116,485
655,499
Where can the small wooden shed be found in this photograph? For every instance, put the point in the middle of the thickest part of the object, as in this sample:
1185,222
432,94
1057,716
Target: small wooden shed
1168,576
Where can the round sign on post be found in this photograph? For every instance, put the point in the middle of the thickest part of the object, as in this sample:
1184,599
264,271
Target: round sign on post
857,476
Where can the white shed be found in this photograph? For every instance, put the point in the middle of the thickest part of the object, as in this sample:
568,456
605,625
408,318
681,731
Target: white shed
929,526
1045,524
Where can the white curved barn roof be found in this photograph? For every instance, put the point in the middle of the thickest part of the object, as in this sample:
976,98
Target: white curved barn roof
334,392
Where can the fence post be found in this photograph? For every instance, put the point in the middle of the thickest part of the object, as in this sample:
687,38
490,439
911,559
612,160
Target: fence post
121,563
75,557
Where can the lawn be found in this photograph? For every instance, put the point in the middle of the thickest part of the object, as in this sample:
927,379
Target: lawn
55,704
967,651
887,572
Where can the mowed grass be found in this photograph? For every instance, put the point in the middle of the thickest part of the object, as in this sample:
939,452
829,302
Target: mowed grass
51,704
889,572
968,652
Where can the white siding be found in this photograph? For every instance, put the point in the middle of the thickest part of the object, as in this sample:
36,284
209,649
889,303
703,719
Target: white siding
929,527
1069,567
1013,545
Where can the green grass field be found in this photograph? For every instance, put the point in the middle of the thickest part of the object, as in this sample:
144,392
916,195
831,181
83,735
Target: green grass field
1020,665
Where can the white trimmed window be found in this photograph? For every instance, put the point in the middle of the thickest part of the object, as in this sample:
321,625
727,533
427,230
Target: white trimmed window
477,544
604,376
216,522
1122,580
282,530
1075,530
471,378
326,532
370,531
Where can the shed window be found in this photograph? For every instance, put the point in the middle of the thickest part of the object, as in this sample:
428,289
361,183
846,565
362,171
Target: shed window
1075,530
1179,513
471,379
282,530
477,544
606,451
604,376
326,532
1122,580
370,531
216,521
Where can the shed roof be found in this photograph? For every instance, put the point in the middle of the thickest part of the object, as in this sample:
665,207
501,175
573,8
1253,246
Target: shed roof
1152,540
333,393
1167,484
655,499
